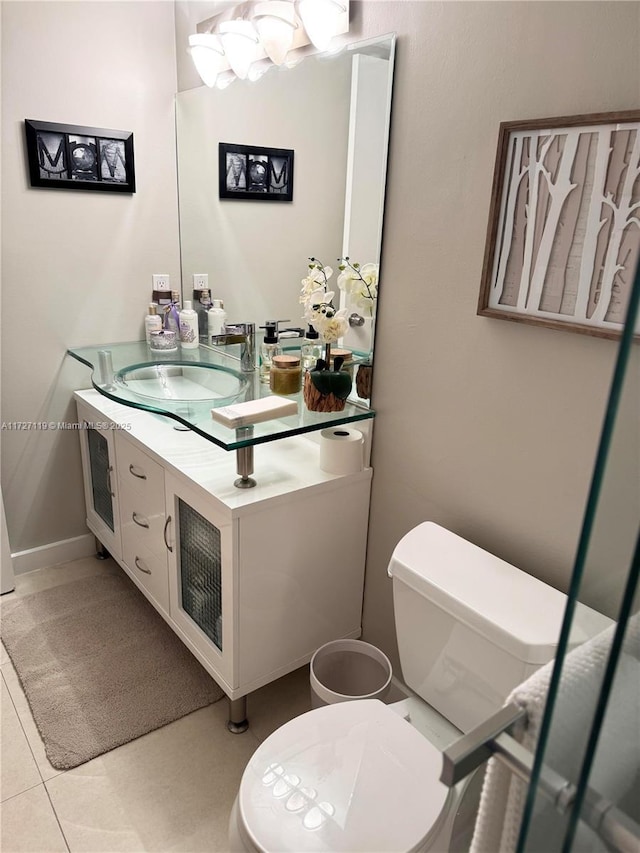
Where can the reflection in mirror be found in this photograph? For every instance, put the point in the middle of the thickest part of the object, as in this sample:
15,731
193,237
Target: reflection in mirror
333,113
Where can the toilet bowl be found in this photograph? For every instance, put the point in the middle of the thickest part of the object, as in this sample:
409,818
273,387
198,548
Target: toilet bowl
331,778
363,777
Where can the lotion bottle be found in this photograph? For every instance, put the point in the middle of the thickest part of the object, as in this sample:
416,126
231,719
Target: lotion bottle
188,327
152,322
216,318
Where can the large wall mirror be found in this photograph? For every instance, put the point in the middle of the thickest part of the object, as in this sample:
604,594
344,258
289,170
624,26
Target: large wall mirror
333,112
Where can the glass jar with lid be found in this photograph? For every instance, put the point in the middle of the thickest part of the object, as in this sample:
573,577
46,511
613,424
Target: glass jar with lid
347,360
285,376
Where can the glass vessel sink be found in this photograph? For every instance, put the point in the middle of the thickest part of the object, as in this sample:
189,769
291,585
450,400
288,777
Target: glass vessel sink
179,382
186,385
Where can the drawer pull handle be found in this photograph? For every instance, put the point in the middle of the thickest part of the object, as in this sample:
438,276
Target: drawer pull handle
166,525
144,523
142,568
109,489
135,474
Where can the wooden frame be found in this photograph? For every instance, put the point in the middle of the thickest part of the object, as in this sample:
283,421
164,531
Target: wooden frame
563,238
75,157
252,173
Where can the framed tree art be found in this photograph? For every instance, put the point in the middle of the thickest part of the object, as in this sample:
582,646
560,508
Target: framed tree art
563,238
66,156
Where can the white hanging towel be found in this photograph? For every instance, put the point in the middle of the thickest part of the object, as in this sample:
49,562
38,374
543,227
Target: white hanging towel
618,753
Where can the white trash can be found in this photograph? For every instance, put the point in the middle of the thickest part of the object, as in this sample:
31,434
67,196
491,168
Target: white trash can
343,670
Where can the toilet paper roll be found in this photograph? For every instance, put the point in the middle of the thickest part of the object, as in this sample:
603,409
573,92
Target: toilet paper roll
341,450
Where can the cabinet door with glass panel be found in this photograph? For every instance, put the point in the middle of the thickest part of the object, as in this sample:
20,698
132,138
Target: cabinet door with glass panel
100,480
199,536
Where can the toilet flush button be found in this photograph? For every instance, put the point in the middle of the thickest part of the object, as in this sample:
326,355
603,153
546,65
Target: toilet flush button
281,788
273,772
296,802
317,815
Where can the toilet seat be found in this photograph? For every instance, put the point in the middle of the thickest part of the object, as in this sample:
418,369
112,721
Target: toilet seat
351,776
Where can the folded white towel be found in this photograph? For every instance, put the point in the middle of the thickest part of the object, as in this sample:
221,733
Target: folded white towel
618,755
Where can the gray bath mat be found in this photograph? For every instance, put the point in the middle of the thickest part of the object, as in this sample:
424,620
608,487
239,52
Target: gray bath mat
99,666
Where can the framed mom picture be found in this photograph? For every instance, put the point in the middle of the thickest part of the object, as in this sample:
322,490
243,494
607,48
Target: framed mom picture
66,156
563,238
253,173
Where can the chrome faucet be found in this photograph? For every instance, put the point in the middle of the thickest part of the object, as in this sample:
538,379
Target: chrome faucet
243,334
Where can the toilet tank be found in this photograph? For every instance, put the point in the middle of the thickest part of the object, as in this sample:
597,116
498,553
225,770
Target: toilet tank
470,626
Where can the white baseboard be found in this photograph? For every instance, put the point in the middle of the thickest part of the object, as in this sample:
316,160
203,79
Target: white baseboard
54,553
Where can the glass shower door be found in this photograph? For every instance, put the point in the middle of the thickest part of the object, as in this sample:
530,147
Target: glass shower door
590,733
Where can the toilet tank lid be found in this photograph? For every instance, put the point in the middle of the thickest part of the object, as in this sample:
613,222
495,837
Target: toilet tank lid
521,614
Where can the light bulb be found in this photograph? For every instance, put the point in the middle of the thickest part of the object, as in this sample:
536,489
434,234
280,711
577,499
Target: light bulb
258,70
239,40
225,79
208,56
275,23
320,19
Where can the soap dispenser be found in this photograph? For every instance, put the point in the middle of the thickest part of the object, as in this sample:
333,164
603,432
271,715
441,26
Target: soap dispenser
270,347
152,322
188,327
311,349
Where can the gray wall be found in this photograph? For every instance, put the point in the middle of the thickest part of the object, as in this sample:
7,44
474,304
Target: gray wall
485,426
77,266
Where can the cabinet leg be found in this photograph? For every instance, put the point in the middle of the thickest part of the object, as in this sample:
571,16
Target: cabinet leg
238,722
101,551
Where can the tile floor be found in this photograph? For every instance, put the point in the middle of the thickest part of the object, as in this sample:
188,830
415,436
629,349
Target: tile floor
171,790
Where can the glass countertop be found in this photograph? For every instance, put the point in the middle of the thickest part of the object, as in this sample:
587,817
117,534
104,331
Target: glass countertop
225,385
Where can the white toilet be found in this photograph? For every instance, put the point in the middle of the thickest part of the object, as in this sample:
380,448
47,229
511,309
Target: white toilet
362,776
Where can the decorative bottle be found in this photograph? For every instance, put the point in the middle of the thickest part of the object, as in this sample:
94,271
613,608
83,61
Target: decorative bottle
202,307
269,348
188,327
171,314
216,318
311,349
152,322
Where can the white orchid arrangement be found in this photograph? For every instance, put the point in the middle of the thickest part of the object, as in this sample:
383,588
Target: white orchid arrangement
317,299
360,284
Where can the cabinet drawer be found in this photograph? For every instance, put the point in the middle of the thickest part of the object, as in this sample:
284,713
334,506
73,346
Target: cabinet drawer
138,470
148,569
142,519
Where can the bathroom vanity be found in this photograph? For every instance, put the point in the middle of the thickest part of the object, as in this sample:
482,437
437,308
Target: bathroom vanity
252,580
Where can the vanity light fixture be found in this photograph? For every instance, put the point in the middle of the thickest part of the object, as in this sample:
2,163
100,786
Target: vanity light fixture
225,79
208,56
320,18
239,39
242,41
259,69
275,21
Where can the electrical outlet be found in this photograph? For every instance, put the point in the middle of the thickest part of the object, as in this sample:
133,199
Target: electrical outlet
200,281
161,282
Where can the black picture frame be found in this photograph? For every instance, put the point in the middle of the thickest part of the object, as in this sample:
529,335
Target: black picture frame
255,173
77,157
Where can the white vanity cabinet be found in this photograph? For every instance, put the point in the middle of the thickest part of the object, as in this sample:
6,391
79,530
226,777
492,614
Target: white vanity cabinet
252,580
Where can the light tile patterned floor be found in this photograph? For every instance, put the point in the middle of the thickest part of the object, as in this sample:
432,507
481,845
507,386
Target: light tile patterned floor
171,790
